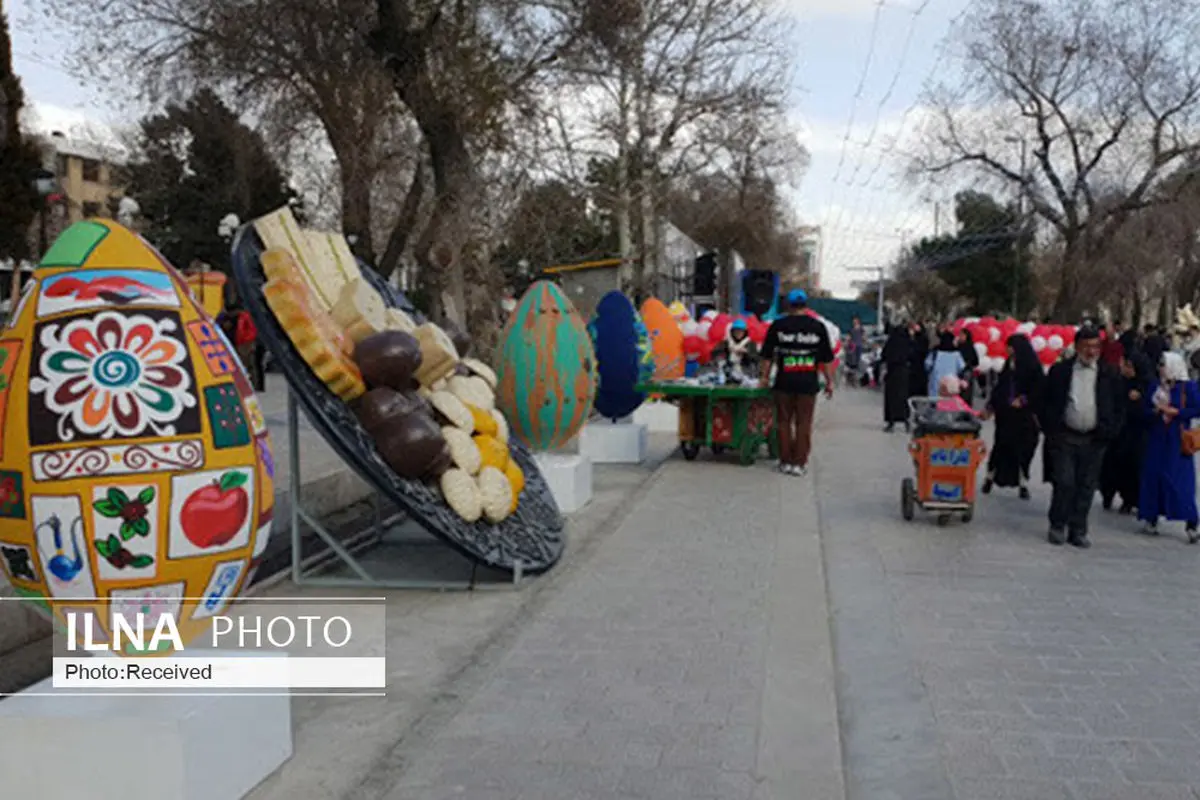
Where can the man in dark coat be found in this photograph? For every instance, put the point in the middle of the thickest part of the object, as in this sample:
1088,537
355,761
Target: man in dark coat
1083,410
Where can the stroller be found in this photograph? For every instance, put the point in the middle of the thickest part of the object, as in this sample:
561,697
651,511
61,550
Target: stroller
946,452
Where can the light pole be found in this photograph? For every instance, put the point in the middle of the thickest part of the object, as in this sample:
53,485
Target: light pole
1020,216
881,271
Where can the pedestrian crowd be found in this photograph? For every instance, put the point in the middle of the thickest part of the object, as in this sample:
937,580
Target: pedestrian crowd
1113,415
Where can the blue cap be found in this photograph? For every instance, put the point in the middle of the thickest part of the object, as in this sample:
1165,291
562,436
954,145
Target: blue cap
738,325
797,296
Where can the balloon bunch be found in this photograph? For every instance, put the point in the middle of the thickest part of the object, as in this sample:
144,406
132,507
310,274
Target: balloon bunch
991,339
699,338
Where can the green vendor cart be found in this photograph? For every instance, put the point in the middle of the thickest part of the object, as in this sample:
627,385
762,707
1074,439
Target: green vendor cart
722,418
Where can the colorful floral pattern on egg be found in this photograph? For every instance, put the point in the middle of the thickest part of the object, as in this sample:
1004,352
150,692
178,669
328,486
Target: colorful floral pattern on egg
111,375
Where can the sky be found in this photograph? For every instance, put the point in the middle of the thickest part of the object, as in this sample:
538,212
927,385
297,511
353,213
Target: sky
860,69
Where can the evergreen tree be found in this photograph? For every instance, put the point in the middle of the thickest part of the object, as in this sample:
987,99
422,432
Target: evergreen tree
19,160
198,163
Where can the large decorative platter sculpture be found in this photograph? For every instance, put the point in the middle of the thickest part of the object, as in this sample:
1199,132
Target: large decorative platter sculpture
372,379
135,469
666,338
624,357
546,369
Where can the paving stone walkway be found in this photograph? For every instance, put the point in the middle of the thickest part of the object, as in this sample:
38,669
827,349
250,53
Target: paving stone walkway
977,662
687,659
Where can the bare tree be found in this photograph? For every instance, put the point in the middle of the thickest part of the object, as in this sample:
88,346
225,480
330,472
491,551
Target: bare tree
672,72
285,61
1100,93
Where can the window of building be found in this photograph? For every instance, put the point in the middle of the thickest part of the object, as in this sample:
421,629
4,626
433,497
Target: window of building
91,170
62,166
91,210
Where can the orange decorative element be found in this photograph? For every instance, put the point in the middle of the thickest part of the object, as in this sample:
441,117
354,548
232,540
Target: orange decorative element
209,290
666,339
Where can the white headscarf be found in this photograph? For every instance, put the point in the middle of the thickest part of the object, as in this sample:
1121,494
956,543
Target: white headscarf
1174,367
1174,371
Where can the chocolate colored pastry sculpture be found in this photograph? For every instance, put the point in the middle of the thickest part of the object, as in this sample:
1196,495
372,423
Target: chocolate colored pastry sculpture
414,447
389,359
380,407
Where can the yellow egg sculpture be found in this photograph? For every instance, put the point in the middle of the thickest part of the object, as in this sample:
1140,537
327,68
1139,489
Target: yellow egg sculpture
135,469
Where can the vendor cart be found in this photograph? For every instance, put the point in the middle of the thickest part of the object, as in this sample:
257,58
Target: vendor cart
946,453
722,418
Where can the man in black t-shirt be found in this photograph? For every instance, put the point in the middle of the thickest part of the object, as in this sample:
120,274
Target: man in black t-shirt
798,347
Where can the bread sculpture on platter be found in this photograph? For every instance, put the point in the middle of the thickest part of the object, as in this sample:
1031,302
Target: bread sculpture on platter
431,413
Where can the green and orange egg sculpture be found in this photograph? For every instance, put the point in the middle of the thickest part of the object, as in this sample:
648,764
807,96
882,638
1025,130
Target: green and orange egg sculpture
546,369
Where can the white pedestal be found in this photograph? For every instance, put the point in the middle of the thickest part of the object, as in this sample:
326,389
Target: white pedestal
614,443
57,744
658,417
569,478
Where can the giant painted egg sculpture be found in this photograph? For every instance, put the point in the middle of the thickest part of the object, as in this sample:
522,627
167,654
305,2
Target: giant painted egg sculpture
666,339
136,473
546,369
624,357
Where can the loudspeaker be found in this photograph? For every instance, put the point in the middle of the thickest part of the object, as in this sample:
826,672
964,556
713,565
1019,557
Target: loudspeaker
760,292
704,281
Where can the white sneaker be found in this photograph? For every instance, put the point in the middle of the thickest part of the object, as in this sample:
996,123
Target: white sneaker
800,471
784,469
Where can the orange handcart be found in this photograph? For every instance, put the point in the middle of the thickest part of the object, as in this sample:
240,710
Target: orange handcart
946,452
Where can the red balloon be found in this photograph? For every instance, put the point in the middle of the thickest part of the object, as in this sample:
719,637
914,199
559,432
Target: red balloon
1048,356
1009,327
1042,330
720,327
997,349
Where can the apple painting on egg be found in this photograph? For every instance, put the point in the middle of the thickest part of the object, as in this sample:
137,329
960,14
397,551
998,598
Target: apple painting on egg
210,512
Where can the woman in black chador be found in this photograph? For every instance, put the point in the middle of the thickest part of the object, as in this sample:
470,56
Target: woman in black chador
896,357
1014,402
1122,470
918,377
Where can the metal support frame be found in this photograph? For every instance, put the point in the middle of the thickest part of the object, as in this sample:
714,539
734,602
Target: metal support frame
339,552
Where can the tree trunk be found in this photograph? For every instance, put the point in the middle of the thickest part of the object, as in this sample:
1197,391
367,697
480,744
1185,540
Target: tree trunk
356,208
624,199
1066,303
440,249
406,221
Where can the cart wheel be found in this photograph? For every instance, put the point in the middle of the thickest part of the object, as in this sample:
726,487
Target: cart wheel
719,449
690,450
969,514
943,520
907,501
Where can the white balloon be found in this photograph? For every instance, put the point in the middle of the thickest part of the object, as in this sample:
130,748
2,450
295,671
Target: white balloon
702,329
1026,328
1039,343
709,315
1055,342
993,334
689,327
997,364
981,349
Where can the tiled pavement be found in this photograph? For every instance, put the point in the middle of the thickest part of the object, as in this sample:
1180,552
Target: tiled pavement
977,662
687,658
688,655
